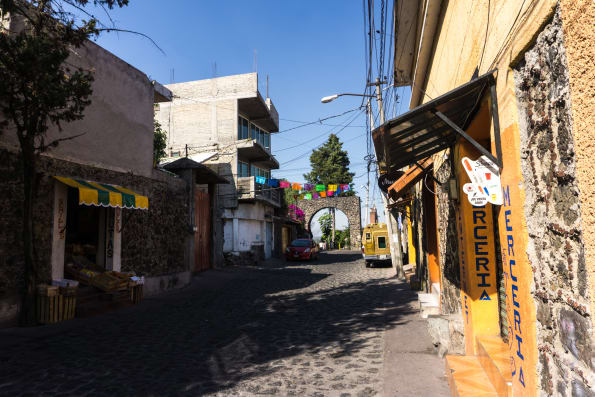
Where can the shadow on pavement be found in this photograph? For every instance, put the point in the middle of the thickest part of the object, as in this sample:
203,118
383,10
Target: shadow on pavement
233,325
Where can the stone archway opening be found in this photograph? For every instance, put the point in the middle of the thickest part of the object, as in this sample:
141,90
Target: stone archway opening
349,205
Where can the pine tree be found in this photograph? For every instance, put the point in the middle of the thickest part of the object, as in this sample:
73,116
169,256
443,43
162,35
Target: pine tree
330,164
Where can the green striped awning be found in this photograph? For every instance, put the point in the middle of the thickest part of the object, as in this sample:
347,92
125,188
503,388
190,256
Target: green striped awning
99,194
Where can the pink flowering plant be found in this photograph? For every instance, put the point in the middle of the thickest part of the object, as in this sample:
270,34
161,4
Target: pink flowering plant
296,213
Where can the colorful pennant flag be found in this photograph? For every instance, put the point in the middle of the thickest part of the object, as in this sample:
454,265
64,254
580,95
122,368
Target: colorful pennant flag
308,186
296,186
260,179
345,188
308,196
332,188
315,195
273,182
320,188
284,184
330,193
323,194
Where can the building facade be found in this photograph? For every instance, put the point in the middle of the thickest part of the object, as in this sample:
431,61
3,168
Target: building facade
509,279
99,202
226,124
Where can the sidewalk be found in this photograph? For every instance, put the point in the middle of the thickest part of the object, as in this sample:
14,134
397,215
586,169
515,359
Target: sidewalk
411,366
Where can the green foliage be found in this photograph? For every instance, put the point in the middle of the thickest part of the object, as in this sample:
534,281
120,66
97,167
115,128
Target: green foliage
342,238
326,226
159,143
330,164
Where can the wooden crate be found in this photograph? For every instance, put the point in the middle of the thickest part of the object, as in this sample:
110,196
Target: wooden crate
136,293
52,306
50,309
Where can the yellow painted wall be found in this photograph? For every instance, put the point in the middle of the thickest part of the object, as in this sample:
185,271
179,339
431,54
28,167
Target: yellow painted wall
410,237
579,36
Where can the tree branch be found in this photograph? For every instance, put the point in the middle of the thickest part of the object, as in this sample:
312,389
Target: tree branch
55,142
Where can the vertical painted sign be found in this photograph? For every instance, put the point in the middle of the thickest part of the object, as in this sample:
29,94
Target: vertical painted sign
518,274
479,292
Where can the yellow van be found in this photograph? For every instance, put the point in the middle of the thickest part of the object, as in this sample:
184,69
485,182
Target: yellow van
375,244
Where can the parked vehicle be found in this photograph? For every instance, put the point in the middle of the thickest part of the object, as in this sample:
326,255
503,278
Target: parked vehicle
375,244
303,248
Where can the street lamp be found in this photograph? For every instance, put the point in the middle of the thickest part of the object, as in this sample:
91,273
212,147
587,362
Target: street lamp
331,98
378,97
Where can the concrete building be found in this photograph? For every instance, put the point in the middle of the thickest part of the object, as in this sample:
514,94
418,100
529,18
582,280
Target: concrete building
509,280
226,124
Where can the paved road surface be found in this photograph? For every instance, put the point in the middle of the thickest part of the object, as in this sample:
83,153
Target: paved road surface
327,328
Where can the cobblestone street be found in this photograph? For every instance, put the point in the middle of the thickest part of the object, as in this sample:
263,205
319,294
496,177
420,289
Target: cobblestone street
281,329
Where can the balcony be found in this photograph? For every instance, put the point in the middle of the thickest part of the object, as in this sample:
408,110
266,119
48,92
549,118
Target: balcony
251,151
249,190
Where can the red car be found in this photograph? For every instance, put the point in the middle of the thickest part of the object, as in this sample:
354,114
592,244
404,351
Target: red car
302,248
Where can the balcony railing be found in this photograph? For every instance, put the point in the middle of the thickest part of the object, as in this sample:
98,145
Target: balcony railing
248,189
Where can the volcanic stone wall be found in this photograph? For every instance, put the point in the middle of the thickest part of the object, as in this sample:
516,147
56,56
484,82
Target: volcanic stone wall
350,205
553,214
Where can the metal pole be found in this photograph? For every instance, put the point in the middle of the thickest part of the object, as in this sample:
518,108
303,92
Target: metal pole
391,224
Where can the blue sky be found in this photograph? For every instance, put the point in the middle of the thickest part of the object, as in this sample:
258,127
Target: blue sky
309,49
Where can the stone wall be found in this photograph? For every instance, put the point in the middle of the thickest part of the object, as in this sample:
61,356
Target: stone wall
350,205
553,213
152,240
450,272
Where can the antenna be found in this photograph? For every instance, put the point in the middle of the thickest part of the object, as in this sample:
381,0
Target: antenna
267,86
172,75
255,62
214,69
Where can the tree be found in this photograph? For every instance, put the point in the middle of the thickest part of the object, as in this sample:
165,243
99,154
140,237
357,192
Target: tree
330,164
40,88
342,238
159,144
326,226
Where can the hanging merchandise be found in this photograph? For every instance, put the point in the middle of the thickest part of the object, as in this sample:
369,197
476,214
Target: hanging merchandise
296,186
284,185
260,179
308,186
320,188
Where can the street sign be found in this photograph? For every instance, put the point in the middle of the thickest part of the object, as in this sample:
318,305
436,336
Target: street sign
485,182
386,180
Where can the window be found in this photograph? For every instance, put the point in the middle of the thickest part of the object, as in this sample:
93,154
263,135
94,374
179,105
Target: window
176,154
243,169
381,242
267,141
368,236
243,131
253,132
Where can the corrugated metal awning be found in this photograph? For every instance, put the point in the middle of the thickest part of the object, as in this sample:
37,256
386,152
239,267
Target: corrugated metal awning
435,126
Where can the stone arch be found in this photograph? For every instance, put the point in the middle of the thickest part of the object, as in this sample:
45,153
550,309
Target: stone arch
350,205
